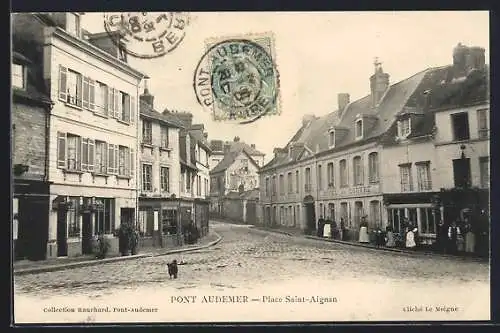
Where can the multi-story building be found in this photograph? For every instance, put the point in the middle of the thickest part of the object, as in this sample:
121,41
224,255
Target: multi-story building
194,181
93,129
30,111
335,160
439,150
236,172
160,169
221,148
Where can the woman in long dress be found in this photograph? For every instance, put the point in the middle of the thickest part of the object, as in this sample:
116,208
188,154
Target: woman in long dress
410,239
363,232
470,238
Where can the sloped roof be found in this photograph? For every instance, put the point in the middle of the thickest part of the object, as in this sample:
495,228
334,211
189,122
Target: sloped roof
35,88
315,134
200,139
229,159
147,111
217,146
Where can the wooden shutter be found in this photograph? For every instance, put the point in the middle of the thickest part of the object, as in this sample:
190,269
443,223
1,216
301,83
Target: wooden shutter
111,102
116,101
111,155
61,150
85,98
126,160
117,159
92,92
105,158
132,162
91,152
132,109
63,86
84,154
78,154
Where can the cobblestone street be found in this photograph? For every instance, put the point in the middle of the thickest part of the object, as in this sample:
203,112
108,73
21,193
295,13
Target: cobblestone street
360,283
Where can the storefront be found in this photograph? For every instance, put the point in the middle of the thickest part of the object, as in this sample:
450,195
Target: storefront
159,222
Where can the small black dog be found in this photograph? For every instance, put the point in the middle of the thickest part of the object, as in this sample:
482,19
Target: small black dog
172,269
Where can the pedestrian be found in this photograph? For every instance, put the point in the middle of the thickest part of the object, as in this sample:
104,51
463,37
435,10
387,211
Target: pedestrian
470,237
342,229
410,238
135,242
461,238
441,237
389,237
379,237
453,232
321,224
363,231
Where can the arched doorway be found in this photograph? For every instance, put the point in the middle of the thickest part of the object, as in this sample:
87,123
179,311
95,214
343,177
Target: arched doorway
310,214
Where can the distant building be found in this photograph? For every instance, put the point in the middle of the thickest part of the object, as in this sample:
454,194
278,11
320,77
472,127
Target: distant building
220,148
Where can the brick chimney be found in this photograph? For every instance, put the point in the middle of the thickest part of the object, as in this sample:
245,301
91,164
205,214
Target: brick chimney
343,99
146,97
379,83
467,58
186,118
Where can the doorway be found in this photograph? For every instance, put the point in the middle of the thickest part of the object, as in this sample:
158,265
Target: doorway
461,172
62,233
87,233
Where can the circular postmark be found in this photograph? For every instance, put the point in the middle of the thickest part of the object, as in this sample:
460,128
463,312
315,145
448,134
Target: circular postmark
237,80
146,35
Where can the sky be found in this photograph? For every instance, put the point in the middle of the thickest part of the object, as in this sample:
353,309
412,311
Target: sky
318,55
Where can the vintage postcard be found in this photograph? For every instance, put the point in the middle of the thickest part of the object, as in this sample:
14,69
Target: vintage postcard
232,167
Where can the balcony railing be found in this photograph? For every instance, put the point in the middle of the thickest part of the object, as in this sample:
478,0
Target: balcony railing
425,185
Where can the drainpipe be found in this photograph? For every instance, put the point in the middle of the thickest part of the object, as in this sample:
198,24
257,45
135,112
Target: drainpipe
47,141
317,190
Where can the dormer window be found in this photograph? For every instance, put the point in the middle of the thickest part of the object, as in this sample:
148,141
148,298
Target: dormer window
358,128
404,127
19,76
331,138
73,24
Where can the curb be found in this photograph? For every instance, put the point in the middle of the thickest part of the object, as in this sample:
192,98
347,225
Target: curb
387,249
87,263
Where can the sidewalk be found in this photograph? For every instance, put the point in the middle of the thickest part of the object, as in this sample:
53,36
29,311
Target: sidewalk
50,265
299,233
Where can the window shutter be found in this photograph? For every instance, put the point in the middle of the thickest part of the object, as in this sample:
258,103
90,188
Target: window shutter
91,150
105,159
127,161
132,162
116,101
63,75
85,150
111,155
61,150
78,154
117,159
79,89
85,97
92,93
132,109
111,102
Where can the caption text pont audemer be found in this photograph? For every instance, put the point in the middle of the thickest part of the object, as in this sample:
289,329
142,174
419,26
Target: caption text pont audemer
246,299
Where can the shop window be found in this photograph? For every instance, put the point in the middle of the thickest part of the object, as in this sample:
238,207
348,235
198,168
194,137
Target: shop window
427,221
169,221
73,219
104,218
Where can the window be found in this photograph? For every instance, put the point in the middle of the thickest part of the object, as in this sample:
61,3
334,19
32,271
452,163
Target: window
344,213
169,221
112,159
282,185
320,177
321,211
123,106
74,88
146,132
273,192
343,173
104,219
460,123
73,219
100,157
18,76
396,217
297,181
267,187
188,181
406,180
461,172
290,183
404,127
124,161
88,95
330,175
73,24
331,138
375,216
164,136
88,155
424,176
358,128
357,166
427,221
358,212
147,181
482,123
198,185
244,163
484,171
331,211
73,152
307,185
101,99
373,167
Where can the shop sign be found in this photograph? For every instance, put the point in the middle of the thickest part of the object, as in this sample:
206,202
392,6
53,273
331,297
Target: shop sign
358,190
